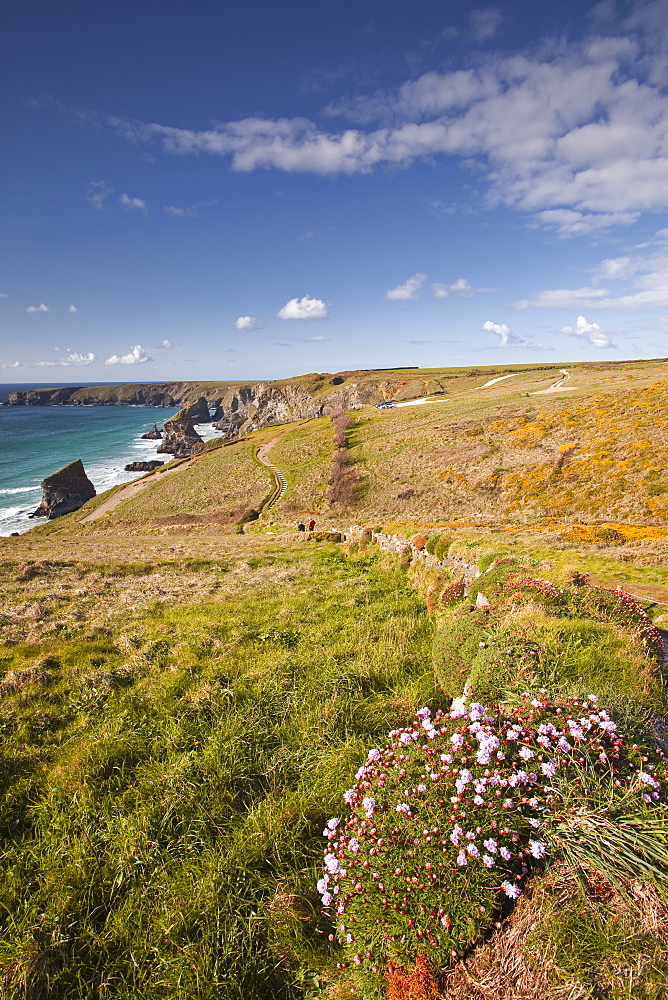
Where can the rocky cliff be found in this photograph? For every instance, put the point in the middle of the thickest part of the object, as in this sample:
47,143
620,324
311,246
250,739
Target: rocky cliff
246,408
179,437
66,490
149,394
239,408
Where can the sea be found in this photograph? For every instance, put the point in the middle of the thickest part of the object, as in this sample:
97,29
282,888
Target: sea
36,441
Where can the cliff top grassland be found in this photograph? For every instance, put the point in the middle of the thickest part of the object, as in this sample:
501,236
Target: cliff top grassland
186,695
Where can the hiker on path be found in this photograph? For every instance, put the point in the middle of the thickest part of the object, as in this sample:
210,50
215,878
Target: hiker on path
301,526
311,525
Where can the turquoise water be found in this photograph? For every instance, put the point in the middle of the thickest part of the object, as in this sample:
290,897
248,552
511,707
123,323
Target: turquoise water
35,441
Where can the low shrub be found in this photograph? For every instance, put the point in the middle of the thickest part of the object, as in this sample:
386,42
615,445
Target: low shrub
442,547
455,646
420,541
446,822
453,593
507,662
430,544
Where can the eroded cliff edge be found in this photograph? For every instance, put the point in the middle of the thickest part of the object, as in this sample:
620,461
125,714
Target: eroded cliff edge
238,408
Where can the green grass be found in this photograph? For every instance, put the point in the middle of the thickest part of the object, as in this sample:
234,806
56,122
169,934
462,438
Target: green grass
164,784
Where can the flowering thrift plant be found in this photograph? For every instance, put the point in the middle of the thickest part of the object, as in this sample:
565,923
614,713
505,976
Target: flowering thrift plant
446,822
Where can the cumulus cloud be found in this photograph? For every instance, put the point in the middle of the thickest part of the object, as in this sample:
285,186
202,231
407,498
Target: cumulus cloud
592,332
462,287
72,309
410,289
134,204
166,345
248,322
304,308
580,128
38,309
73,359
97,193
504,333
137,356
11,364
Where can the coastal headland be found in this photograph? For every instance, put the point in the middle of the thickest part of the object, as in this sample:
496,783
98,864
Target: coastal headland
211,720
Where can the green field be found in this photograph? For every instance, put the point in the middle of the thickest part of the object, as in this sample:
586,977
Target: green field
182,707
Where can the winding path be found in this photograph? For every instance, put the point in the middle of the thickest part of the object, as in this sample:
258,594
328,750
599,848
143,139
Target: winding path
280,484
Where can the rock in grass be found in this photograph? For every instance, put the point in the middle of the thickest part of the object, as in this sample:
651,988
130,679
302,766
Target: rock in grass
154,463
65,491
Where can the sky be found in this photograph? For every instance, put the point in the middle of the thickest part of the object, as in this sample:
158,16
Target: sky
249,189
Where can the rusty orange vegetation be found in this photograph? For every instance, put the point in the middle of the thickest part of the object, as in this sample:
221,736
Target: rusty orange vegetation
413,984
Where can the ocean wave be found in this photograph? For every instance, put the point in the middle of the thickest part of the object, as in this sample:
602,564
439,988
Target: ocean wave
20,489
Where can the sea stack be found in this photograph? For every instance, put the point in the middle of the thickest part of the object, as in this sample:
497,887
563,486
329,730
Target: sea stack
66,490
179,437
153,435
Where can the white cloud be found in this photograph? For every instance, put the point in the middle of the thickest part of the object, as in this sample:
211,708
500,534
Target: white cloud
410,289
485,22
504,333
73,359
304,308
135,204
166,345
12,364
97,193
592,332
72,309
38,309
440,291
462,287
570,223
181,213
137,356
3,295
645,277
247,323
581,127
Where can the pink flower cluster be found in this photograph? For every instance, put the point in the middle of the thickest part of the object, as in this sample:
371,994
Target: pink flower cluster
446,821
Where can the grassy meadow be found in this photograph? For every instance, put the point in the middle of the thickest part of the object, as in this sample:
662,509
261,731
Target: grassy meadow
182,705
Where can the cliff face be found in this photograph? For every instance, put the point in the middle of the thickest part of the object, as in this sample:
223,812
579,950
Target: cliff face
247,408
179,437
151,394
65,491
239,409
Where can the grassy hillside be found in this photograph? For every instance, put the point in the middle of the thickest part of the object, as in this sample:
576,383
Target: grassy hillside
182,708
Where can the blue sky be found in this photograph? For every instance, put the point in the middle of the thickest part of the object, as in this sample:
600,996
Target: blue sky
257,190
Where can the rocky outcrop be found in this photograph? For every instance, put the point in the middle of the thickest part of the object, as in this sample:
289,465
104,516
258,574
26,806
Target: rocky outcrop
179,437
143,466
153,435
199,411
65,491
247,408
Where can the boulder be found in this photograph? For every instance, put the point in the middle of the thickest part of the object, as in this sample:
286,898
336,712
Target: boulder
179,437
143,466
153,435
66,490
